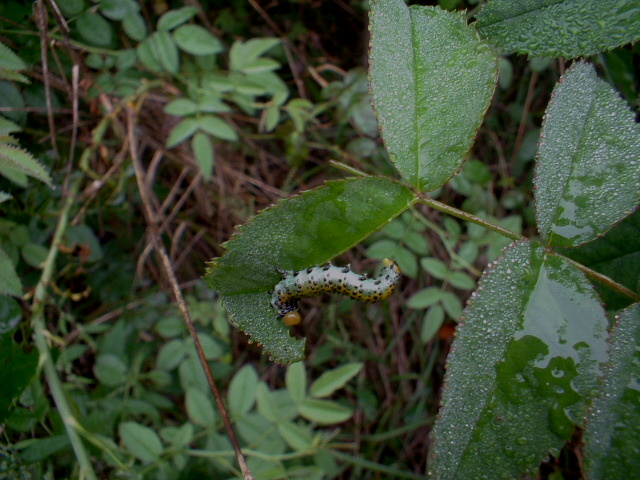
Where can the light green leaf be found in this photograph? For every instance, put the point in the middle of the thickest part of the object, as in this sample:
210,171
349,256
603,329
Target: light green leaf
181,107
196,40
174,18
560,28
21,161
432,80
200,408
9,281
182,131
296,436
526,358
243,54
217,127
334,379
299,232
276,405
588,160
613,425
158,53
461,280
324,412
4,196
171,354
141,441
204,153
296,381
435,267
242,390
425,298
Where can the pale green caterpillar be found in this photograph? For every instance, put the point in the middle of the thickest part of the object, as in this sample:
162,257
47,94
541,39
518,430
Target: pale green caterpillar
329,278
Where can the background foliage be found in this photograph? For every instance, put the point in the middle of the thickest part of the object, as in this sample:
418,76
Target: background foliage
230,107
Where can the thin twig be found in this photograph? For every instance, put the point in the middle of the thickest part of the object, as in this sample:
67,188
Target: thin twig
152,224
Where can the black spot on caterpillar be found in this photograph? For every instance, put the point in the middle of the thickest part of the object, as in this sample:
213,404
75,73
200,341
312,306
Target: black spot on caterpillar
330,278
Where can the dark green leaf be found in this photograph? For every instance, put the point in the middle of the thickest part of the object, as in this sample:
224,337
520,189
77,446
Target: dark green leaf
9,60
95,30
616,255
588,169
16,367
135,27
432,80
525,360
9,281
612,436
118,9
560,28
299,232
21,161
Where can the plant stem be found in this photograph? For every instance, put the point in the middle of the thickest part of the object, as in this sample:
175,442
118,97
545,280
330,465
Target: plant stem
469,217
39,329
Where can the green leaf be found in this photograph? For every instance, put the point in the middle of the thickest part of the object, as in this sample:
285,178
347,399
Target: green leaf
171,354
296,381
324,412
297,233
559,28
616,255
7,126
243,54
431,323
200,408
297,437
613,425
9,281
9,60
196,40
95,30
334,379
142,442
17,368
526,357
182,131
435,267
181,107
242,390
34,254
587,170
118,9
173,18
217,127
204,153
425,298
21,161
158,53
276,405
428,124
135,27
110,370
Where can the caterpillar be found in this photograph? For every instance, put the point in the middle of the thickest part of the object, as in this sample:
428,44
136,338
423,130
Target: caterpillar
330,278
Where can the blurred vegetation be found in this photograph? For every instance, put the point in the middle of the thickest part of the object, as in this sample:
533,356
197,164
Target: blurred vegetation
252,110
